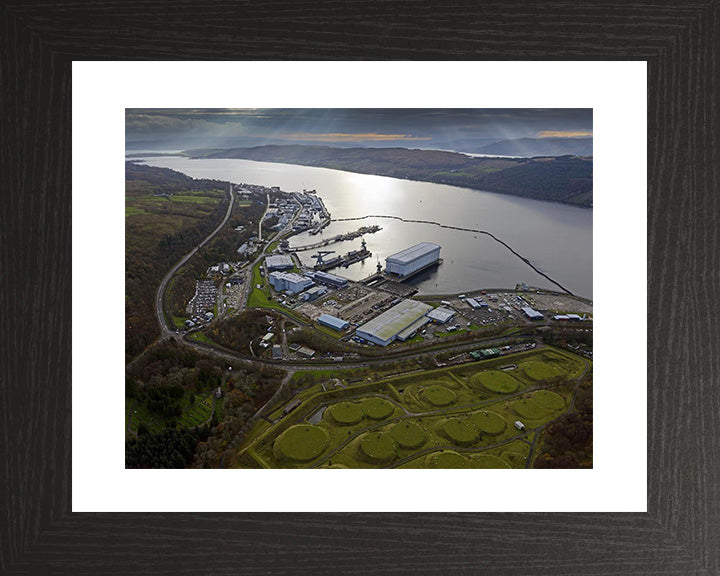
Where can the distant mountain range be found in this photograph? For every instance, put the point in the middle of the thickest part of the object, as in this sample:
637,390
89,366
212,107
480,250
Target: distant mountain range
560,179
540,147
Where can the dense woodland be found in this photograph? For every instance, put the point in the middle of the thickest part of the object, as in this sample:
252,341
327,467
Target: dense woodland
171,374
562,179
237,332
568,442
158,231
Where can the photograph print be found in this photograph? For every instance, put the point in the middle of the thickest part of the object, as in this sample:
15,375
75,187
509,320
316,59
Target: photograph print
359,288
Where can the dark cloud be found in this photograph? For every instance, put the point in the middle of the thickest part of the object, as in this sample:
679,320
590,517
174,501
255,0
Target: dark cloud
460,129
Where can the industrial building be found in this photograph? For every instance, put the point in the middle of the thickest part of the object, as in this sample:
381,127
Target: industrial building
413,259
384,328
289,282
329,279
411,330
278,262
306,352
265,340
531,314
313,293
441,315
332,322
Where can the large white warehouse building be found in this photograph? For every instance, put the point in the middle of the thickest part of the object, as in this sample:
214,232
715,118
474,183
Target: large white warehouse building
412,259
384,328
289,281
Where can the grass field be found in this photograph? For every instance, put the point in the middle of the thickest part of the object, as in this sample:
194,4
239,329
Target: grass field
495,381
454,417
200,337
301,443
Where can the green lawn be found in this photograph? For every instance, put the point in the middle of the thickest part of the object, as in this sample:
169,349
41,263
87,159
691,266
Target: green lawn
436,410
495,381
301,443
200,337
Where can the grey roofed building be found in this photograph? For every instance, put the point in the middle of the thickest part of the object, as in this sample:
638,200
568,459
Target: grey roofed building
531,314
410,260
441,314
384,328
332,322
329,279
278,262
313,293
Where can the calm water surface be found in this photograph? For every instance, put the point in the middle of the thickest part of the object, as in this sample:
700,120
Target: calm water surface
556,238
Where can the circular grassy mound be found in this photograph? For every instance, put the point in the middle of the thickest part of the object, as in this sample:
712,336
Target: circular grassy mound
549,399
495,381
301,443
377,408
378,447
489,461
460,431
408,435
540,371
448,459
528,408
439,395
489,422
346,413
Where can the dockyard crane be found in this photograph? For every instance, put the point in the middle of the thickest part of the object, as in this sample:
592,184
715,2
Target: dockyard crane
320,255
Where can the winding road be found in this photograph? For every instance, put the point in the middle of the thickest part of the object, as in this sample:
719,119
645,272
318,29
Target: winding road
160,295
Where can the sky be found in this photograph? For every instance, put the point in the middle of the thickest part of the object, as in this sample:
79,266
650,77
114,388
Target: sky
465,130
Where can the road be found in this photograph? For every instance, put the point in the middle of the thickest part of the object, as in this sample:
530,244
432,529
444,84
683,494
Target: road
262,218
160,295
349,364
248,285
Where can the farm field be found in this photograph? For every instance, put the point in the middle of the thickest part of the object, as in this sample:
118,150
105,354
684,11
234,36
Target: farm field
456,417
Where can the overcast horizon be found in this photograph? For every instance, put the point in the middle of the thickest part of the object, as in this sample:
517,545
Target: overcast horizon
462,130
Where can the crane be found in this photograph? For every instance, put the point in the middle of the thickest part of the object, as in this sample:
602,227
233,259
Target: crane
321,254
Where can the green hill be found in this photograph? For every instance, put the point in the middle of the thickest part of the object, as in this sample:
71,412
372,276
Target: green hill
559,179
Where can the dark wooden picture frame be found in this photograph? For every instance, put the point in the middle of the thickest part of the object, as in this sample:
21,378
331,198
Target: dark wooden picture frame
680,533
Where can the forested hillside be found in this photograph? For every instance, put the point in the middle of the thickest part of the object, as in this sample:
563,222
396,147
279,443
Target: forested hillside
560,179
166,214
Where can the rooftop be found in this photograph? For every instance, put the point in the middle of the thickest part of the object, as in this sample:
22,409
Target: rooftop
289,276
327,276
441,314
396,319
410,254
531,313
414,327
279,261
332,321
